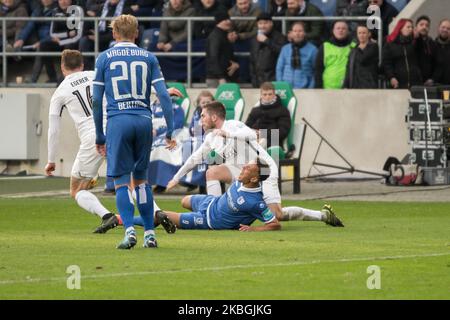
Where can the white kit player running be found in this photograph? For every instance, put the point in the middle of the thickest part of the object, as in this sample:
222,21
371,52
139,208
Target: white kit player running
74,94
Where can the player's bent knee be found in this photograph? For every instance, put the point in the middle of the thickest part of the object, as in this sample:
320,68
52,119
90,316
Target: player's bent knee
186,202
212,173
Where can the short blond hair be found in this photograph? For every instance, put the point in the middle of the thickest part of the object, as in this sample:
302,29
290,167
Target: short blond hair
71,59
125,26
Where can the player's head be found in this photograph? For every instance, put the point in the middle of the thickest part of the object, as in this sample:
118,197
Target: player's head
267,93
253,173
71,61
125,28
213,115
203,98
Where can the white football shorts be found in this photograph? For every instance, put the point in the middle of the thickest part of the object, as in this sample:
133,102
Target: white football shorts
88,160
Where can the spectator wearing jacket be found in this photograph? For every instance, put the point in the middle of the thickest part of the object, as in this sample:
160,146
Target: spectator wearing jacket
195,127
42,28
387,13
278,8
270,118
442,71
425,49
362,66
264,51
110,8
206,8
61,37
94,7
351,8
296,61
221,65
174,31
244,29
332,58
12,9
301,8
400,63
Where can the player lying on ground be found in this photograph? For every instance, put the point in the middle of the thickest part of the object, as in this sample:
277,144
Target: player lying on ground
239,207
74,93
222,137
236,144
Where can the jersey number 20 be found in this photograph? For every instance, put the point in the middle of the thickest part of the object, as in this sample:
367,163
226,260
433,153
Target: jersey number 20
133,77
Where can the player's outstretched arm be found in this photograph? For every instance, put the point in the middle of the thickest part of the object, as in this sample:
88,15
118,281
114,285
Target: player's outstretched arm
271,226
194,159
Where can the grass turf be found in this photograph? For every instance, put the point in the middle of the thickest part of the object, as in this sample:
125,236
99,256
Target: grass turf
41,237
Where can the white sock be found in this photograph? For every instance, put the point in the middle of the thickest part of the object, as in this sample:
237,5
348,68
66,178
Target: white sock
214,188
298,213
89,202
129,229
152,232
155,207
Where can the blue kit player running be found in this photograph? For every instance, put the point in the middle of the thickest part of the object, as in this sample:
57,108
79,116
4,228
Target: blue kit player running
125,74
237,208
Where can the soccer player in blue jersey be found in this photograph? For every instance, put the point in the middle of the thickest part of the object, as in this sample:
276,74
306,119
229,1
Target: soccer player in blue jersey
125,74
238,208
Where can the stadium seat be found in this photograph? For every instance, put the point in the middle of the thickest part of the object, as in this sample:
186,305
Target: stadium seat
185,101
293,143
398,4
328,7
288,100
230,95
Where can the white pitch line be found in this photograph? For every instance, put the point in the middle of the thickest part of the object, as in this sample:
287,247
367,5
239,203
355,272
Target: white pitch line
224,268
50,193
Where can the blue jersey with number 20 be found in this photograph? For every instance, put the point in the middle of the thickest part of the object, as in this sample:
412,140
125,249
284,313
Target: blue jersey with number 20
129,72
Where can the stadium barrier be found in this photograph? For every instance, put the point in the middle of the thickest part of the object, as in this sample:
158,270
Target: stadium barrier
365,126
189,54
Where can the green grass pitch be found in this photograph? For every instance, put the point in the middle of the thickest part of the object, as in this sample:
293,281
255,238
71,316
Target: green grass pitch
41,237
409,242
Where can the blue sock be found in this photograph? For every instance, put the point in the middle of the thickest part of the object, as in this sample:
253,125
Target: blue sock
125,205
138,221
144,199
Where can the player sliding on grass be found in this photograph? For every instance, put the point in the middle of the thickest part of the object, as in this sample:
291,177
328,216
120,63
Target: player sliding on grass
239,207
74,94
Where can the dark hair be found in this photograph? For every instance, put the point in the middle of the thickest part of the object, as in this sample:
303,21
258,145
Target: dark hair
423,17
71,59
298,23
263,170
216,108
267,86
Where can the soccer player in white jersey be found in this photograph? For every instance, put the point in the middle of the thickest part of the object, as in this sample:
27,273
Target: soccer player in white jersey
237,144
74,94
